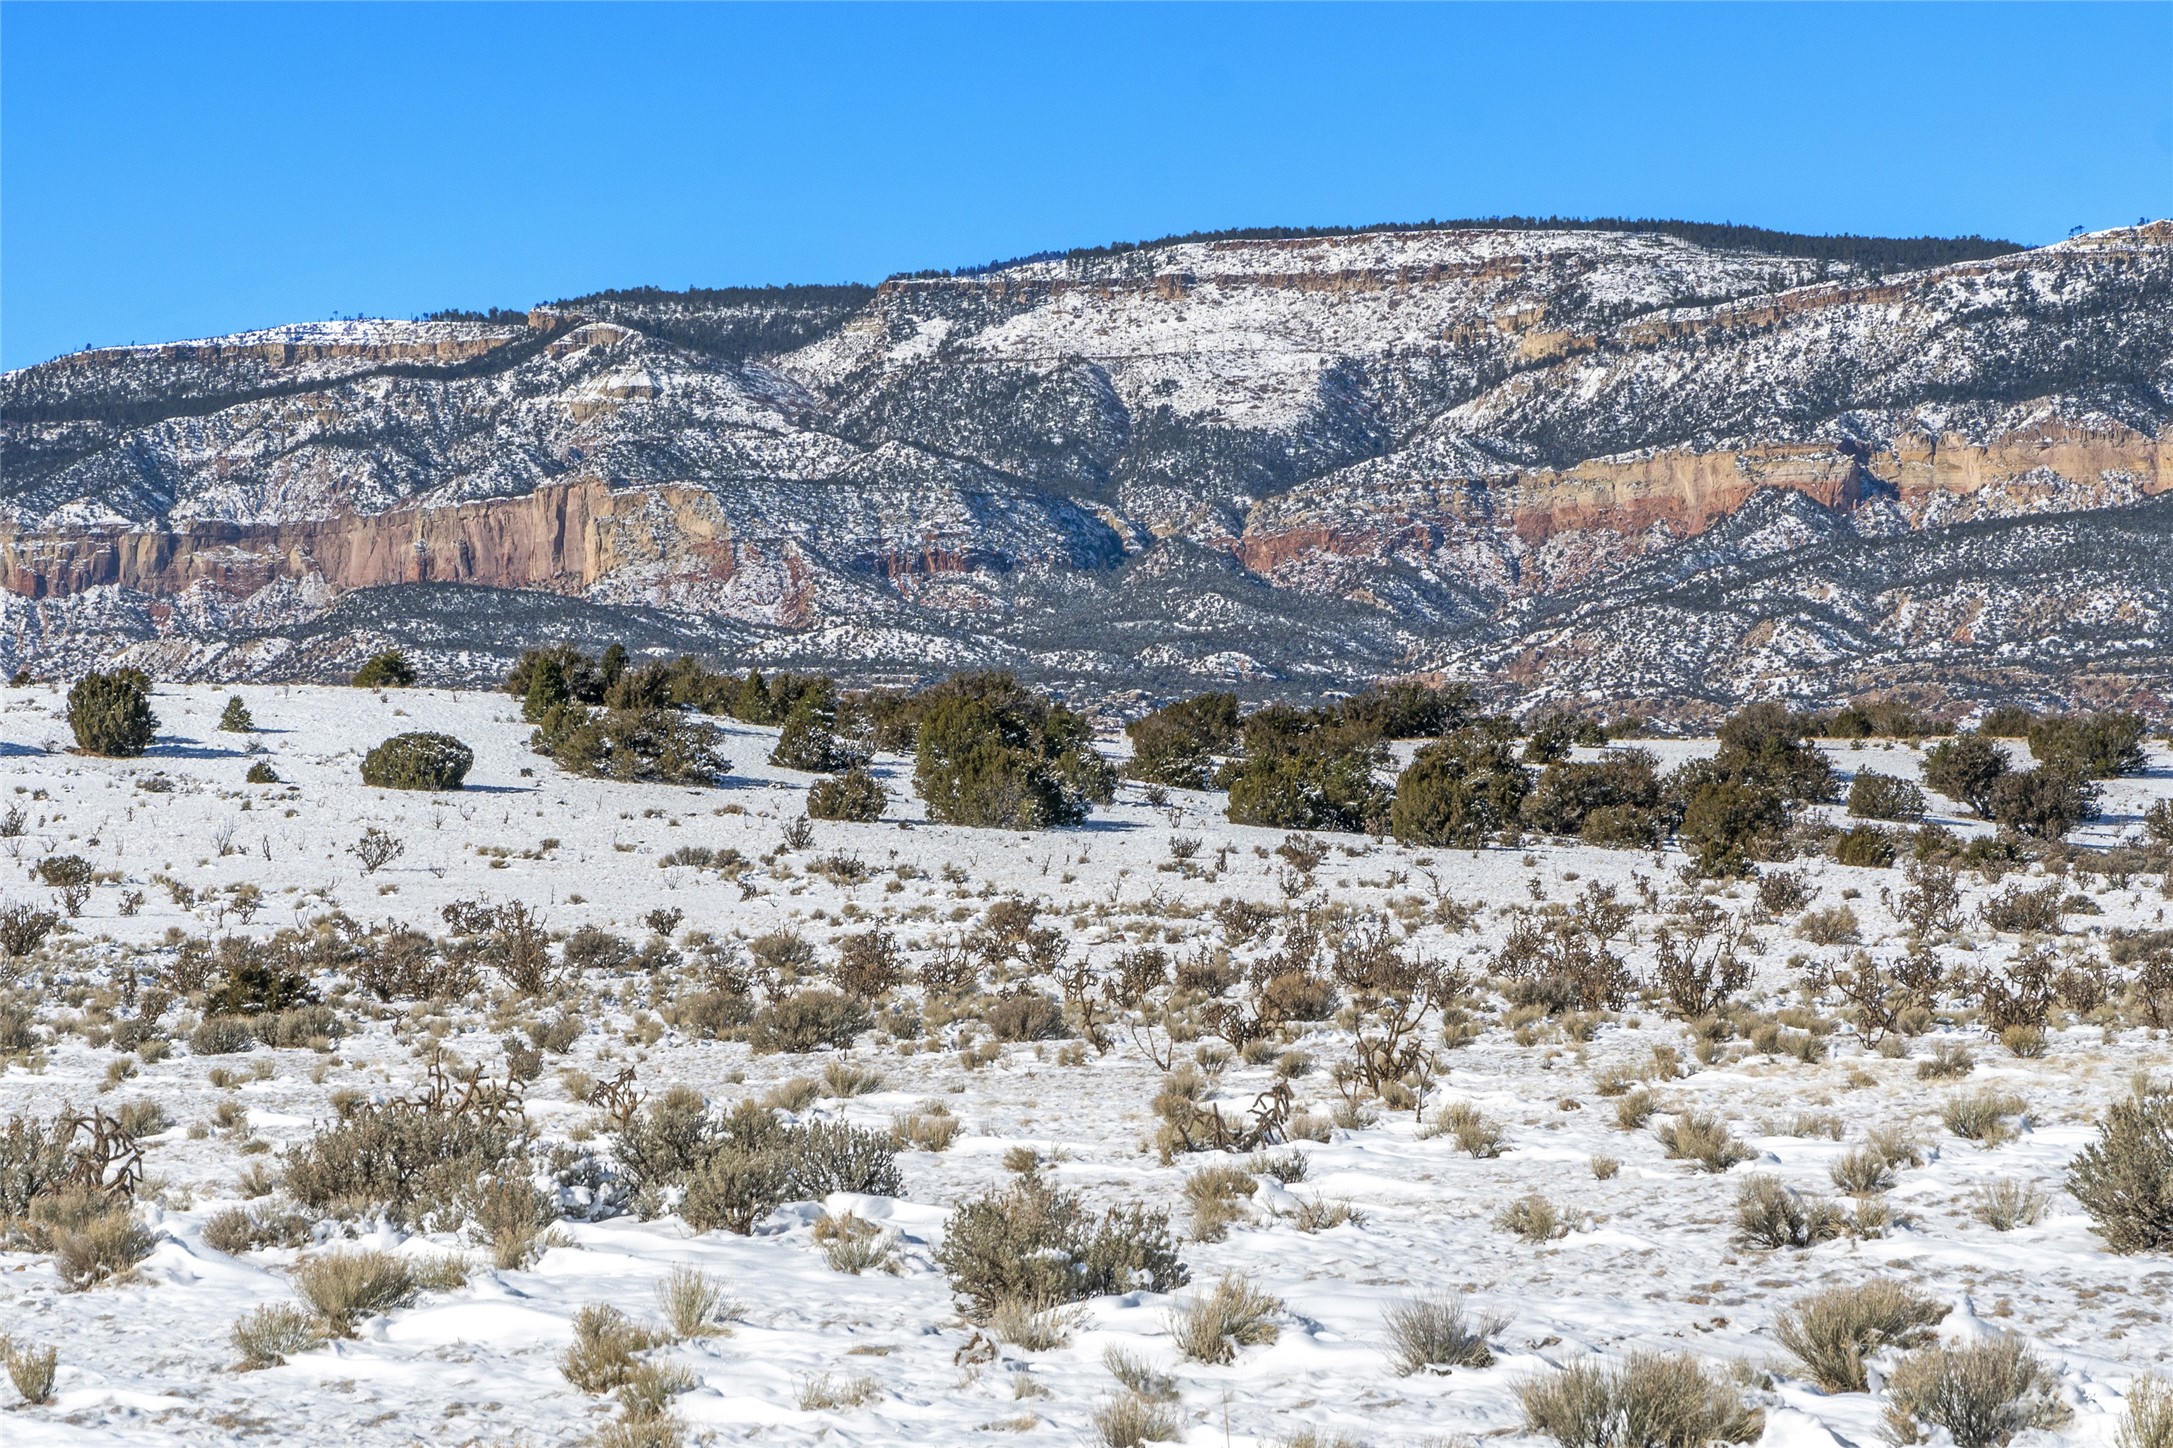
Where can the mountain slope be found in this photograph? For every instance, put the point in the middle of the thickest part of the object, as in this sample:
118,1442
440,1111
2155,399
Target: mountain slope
1280,461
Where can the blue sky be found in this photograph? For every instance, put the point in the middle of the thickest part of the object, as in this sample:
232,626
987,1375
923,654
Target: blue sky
173,172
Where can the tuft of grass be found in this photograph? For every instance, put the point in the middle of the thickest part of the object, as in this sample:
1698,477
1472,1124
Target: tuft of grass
1702,1139
929,1129
2006,1204
1651,1400
1636,1108
1139,1376
1862,1171
1532,1218
1770,1214
1982,1394
1036,1327
1948,1060
844,1079
693,1303
853,1244
823,1392
1434,1333
1605,1168
100,1248
605,1341
1475,1134
1832,1332
1321,1215
1129,1420
345,1287
1983,1116
269,1335
1217,1195
30,1369
2148,1422
1230,1315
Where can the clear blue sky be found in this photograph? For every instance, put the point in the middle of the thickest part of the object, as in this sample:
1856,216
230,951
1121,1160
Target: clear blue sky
175,172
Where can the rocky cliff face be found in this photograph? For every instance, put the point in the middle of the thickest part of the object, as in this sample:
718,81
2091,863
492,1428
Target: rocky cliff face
1601,465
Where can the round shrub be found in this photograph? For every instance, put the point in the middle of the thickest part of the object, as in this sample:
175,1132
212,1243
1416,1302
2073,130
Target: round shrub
261,773
2124,1179
388,670
1865,845
111,714
222,1036
1459,791
853,795
418,761
1874,796
807,1020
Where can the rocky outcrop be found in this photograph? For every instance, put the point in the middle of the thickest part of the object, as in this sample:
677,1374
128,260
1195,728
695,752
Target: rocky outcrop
1263,461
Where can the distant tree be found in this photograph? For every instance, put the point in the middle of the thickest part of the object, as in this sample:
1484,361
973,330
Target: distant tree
993,754
1176,745
236,719
388,670
546,689
1461,791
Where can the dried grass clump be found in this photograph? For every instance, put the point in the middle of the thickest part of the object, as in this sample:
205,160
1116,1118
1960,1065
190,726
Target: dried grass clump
1128,1420
1475,1134
2148,1422
1635,1109
1217,1195
693,1303
345,1287
1434,1333
1230,1315
854,1245
605,1342
1703,1139
1948,1059
1832,1332
1771,1214
1983,1116
931,1128
823,1391
240,1229
2006,1204
95,1239
513,1214
1140,1376
1982,1394
30,1369
1862,1171
269,1335
1652,1400
1034,1326
1532,1218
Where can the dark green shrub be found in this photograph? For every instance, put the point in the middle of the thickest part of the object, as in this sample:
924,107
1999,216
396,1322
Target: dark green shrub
261,773
1965,768
1460,791
1867,846
808,1020
1622,788
418,761
853,795
1176,745
2008,721
1408,709
2089,746
578,678
2041,803
1035,1244
72,876
807,743
236,718
656,743
1763,743
994,755
1874,796
388,670
110,713
547,688
1306,789
1727,822
2124,1179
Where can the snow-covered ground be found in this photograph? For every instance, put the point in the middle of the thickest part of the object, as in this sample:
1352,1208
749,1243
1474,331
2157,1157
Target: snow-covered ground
1651,1261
